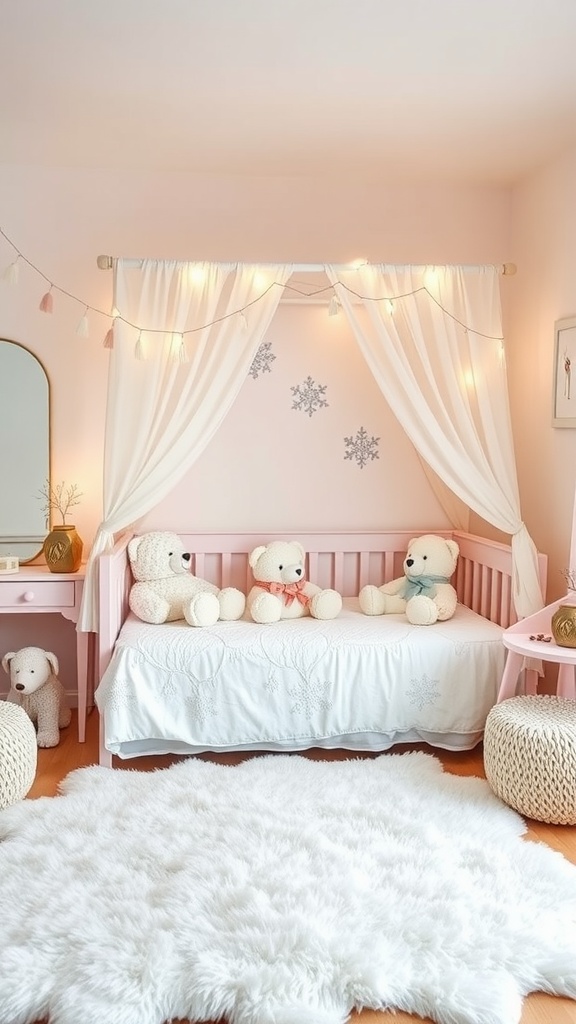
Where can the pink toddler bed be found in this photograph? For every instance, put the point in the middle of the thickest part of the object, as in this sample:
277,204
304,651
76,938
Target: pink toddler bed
356,682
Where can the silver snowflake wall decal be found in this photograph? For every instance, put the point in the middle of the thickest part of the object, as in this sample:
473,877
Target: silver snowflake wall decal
262,360
361,448
309,396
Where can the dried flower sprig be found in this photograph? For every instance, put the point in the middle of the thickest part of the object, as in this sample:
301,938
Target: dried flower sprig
59,498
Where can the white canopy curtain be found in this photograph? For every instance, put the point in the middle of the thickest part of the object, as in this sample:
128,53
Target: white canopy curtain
178,362
433,340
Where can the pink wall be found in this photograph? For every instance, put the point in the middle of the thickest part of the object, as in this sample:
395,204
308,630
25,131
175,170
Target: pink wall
61,219
543,291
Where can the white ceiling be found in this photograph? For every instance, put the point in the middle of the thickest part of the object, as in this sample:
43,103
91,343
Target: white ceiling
462,90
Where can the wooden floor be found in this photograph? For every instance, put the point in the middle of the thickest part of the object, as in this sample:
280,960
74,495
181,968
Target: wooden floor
54,764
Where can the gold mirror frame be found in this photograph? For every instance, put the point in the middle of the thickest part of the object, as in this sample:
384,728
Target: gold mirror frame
25,458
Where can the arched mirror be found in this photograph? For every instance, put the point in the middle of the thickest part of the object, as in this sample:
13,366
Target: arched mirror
24,450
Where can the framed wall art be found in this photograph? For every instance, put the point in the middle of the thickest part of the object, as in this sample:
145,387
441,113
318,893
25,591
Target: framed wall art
564,391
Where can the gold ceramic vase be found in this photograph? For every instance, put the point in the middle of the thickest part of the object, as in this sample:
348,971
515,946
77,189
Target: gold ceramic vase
564,625
63,549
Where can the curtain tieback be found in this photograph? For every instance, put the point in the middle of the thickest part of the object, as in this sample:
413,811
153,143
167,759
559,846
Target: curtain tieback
425,585
291,591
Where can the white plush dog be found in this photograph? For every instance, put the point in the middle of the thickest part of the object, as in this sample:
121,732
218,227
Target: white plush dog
35,686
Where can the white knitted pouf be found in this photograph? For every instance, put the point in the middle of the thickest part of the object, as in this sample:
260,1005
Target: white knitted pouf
18,753
530,756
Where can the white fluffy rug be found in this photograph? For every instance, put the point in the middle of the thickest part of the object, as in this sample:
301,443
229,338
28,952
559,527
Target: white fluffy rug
282,891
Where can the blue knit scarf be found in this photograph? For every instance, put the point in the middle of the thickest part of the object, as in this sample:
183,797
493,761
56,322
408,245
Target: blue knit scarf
425,585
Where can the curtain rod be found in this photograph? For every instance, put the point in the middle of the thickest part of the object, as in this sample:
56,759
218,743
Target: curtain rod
107,263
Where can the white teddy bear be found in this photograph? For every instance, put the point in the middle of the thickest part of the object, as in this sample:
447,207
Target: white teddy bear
424,593
35,687
165,590
281,591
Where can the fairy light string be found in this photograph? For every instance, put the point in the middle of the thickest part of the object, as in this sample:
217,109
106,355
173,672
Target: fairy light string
10,275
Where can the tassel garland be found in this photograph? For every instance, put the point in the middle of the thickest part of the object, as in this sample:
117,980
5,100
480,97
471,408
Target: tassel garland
47,302
82,329
139,351
12,272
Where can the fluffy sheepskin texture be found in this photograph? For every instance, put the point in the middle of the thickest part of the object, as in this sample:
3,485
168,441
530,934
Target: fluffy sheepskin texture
281,891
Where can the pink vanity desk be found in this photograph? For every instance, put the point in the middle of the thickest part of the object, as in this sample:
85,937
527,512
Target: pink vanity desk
34,589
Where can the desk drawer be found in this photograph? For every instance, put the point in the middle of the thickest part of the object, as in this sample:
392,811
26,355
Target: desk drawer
30,594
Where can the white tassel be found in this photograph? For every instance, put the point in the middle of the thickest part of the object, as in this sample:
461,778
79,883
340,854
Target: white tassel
243,322
183,352
82,329
139,350
12,272
333,306
178,351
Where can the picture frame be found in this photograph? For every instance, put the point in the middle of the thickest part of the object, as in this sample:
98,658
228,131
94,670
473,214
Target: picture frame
564,383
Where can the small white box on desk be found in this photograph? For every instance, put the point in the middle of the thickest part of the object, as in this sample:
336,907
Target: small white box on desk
9,564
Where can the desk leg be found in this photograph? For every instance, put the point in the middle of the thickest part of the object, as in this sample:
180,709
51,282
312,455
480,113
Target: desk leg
82,640
510,676
565,686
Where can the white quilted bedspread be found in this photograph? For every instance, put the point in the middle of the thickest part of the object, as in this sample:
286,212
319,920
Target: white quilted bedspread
356,681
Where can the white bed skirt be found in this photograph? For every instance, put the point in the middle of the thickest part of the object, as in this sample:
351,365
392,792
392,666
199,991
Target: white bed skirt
356,682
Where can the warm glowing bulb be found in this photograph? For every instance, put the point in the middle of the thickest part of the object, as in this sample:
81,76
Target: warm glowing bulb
197,274
360,262
259,279
468,379
431,278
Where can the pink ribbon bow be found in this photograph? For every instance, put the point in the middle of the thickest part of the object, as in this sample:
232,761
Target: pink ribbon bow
291,591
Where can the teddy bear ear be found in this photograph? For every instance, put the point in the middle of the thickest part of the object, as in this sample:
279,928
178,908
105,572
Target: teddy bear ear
300,549
133,546
52,661
453,549
255,555
7,659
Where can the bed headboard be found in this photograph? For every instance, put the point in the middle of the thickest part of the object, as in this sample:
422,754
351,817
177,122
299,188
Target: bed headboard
345,561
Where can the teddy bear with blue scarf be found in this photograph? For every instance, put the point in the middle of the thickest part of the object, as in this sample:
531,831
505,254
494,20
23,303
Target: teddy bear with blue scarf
424,593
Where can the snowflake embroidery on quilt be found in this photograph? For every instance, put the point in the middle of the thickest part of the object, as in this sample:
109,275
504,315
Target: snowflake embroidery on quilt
423,691
361,448
169,688
262,360
309,396
121,699
271,684
308,697
202,703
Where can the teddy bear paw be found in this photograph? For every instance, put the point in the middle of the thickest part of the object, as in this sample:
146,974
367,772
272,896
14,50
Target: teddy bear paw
371,600
202,610
326,605
232,604
421,611
266,608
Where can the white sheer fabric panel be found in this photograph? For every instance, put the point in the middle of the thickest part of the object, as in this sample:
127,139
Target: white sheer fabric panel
163,409
447,385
